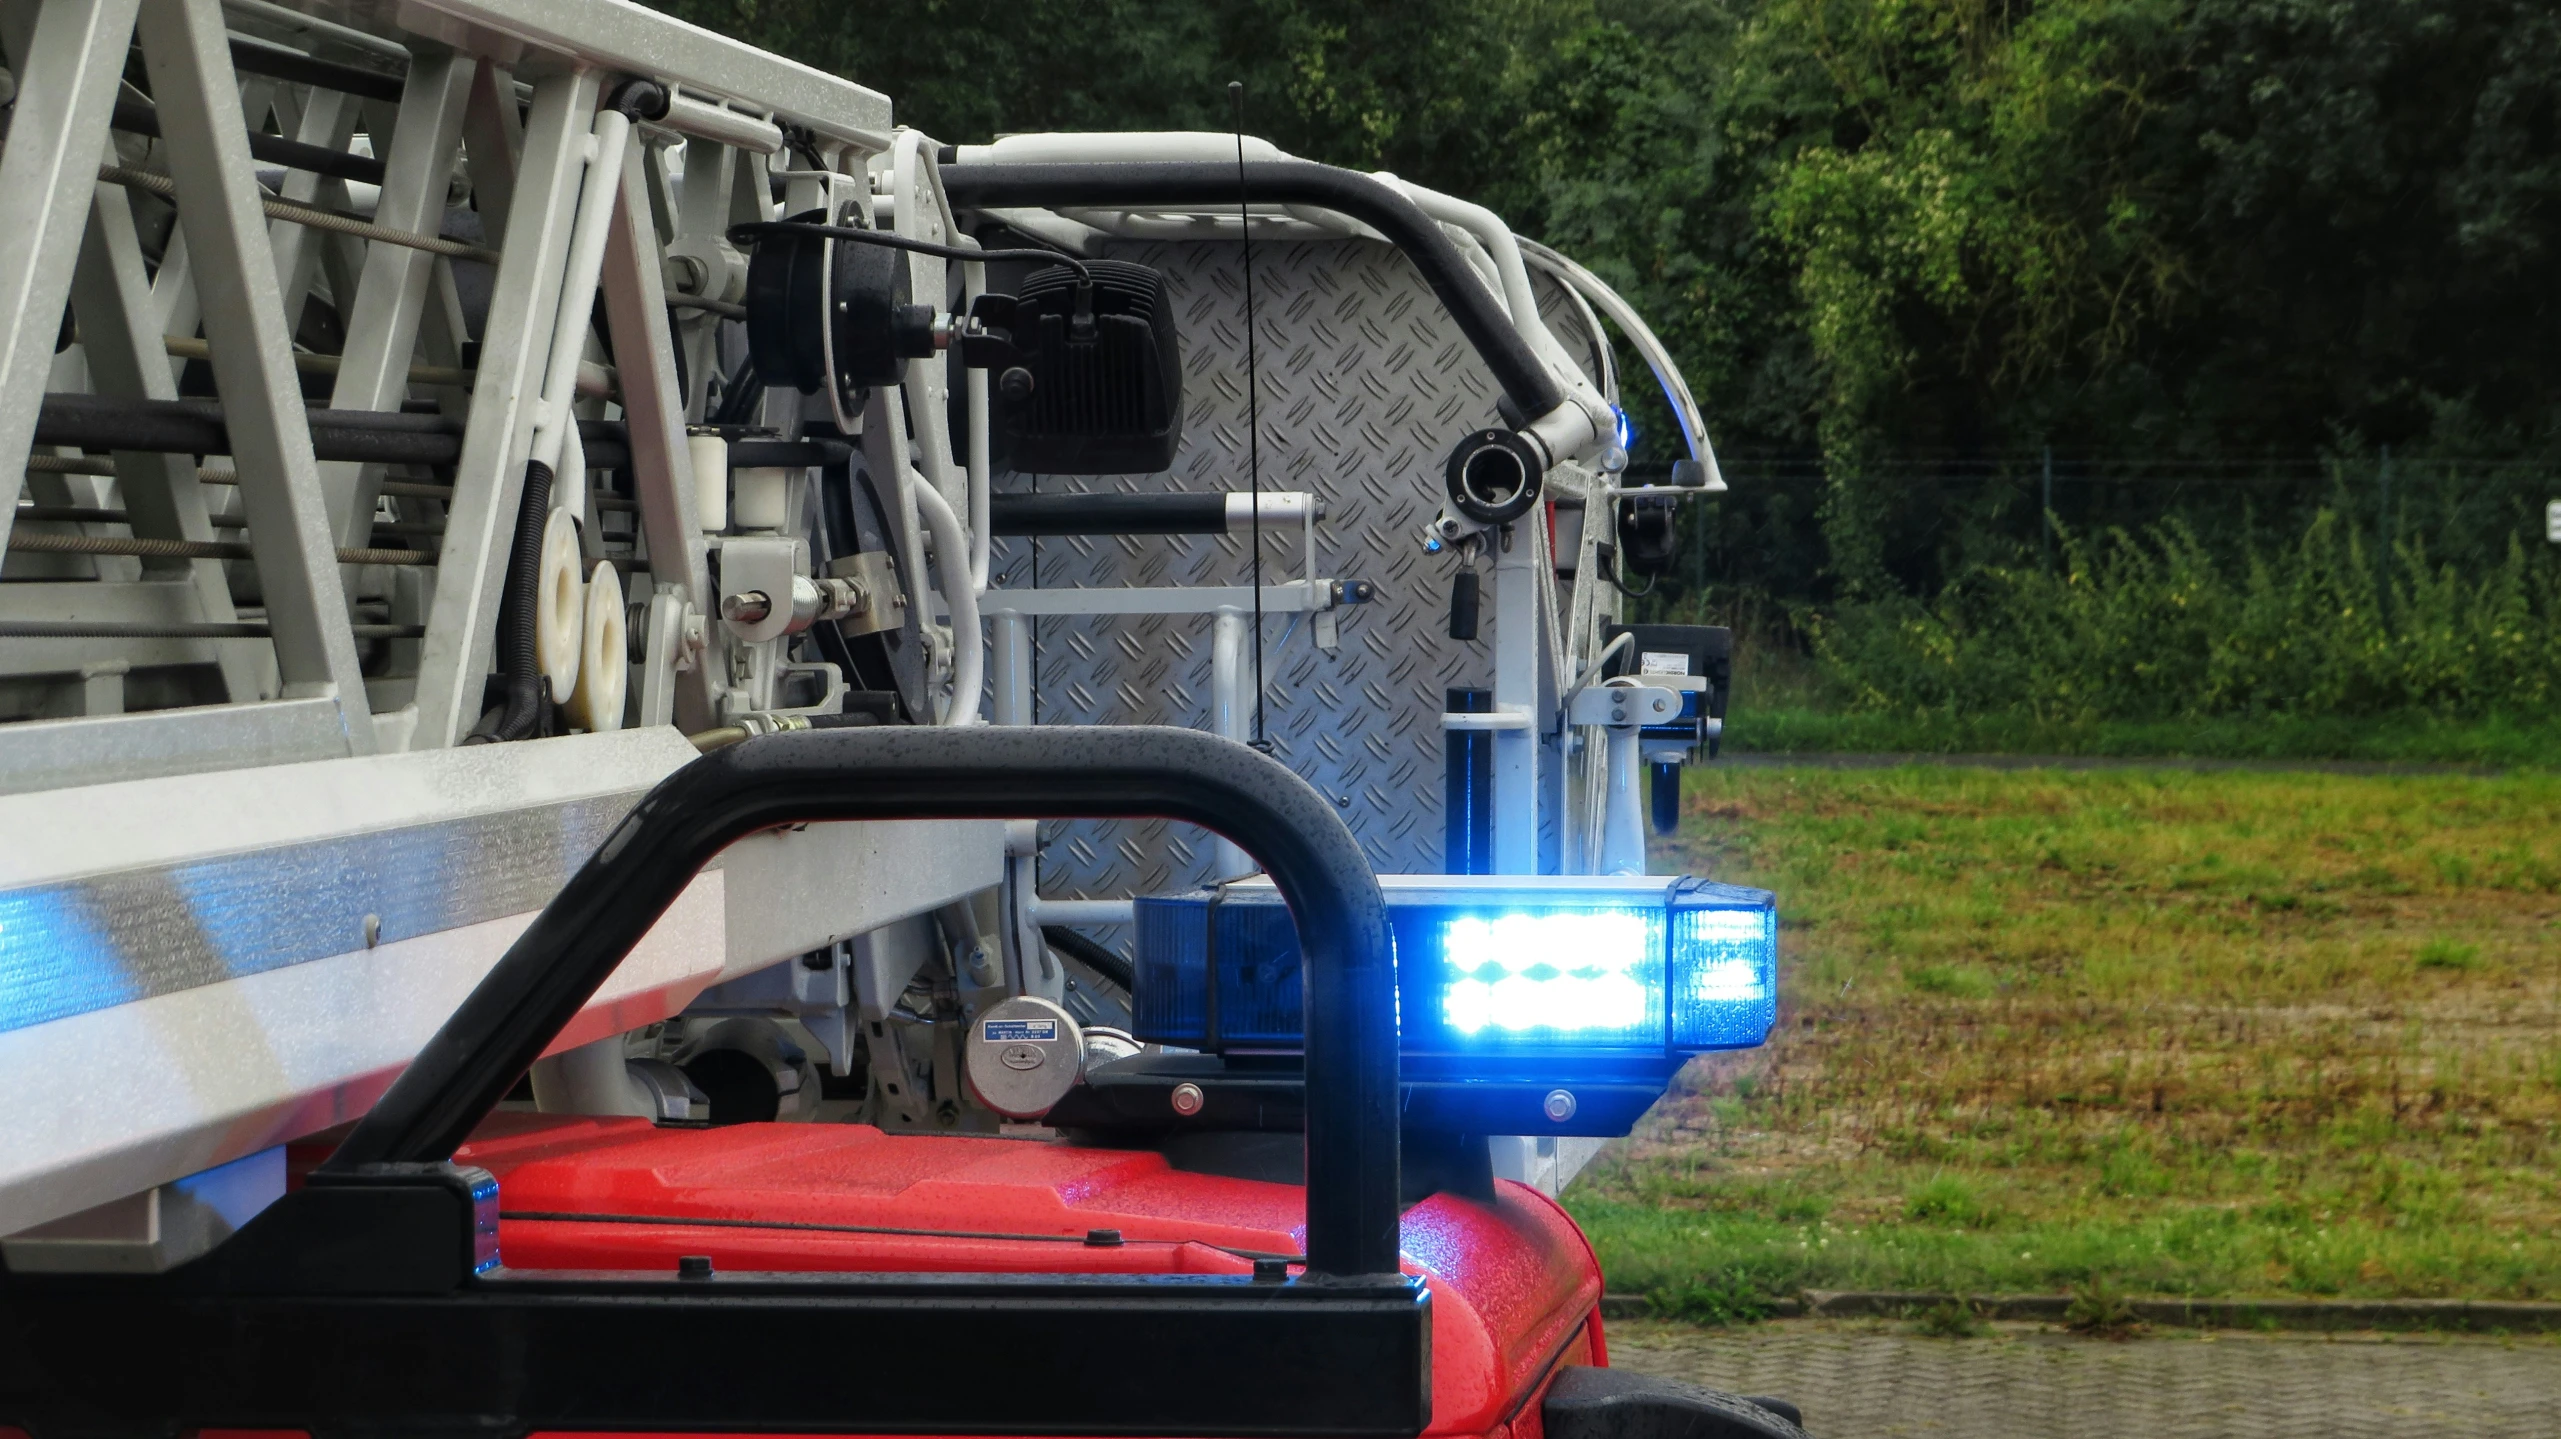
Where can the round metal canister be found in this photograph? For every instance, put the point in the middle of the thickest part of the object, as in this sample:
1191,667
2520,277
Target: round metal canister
1023,1056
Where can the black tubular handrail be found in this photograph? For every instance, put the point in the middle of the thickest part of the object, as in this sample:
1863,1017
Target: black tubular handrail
1532,390
1197,513
1052,772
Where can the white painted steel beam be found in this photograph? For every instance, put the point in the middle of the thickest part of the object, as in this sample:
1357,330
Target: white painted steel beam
60,754
230,913
618,36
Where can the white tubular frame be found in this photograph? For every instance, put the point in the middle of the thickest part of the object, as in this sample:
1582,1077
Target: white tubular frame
951,556
1676,390
553,424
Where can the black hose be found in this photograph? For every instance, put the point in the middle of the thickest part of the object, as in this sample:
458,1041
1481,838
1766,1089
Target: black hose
1093,955
522,599
754,230
739,394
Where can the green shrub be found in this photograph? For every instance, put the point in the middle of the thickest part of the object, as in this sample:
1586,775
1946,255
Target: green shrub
2155,627
2101,1309
1951,1319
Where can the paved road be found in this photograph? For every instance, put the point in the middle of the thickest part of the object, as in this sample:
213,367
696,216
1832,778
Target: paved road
1870,1380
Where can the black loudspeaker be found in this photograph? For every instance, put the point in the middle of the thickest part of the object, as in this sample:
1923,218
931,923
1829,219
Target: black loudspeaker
1094,383
811,300
1647,539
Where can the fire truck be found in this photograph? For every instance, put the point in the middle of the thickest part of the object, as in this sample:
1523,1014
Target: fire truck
674,759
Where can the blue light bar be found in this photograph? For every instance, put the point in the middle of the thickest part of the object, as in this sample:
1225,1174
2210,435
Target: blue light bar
1486,965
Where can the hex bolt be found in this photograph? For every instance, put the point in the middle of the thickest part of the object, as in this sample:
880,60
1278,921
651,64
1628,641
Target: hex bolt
1559,1105
693,1266
1188,1099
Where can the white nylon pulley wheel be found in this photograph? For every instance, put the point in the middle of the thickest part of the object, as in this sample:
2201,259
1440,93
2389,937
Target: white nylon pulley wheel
603,663
560,607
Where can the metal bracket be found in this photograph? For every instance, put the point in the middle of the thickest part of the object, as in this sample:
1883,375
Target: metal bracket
1617,704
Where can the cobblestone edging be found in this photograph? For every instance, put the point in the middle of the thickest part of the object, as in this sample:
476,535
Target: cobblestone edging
2474,1314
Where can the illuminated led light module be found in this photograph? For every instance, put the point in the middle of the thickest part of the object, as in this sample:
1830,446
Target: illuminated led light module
1595,973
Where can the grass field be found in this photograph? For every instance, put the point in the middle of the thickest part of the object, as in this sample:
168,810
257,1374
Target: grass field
2161,1032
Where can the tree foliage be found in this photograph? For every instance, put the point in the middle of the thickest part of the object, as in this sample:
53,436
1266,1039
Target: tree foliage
1879,229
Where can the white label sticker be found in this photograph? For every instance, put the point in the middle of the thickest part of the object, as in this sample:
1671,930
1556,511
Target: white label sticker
1656,662
1017,1031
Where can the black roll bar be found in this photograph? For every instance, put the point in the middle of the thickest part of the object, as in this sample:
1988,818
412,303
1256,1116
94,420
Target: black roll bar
1195,184
1052,772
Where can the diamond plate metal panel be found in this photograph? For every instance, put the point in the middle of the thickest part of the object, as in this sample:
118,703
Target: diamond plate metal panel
1365,384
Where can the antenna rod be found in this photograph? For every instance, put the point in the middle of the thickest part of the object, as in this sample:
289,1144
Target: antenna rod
1253,410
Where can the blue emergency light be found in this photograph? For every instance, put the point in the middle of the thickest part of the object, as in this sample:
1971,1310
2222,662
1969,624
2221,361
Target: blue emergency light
1504,968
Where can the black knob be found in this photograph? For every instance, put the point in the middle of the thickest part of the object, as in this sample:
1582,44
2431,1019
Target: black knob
1015,385
911,331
